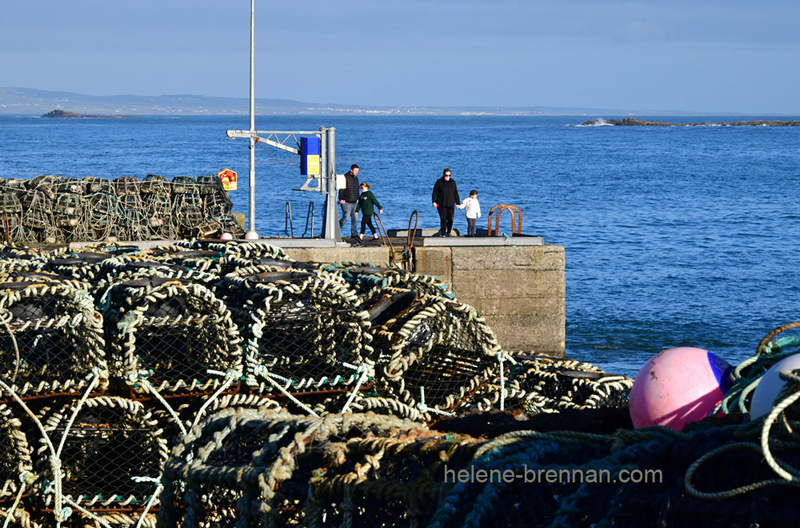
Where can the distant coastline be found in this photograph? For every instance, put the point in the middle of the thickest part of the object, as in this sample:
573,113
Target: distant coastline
63,114
632,121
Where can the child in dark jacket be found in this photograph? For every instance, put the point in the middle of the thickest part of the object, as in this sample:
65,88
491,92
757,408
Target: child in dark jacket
366,204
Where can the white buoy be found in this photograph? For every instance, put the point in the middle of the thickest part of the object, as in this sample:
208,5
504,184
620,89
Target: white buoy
226,236
251,235
770,385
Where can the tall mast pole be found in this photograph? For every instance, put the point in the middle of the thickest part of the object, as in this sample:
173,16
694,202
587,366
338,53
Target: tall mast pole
251,233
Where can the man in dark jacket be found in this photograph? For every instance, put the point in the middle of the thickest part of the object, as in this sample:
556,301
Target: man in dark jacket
445,199
348,199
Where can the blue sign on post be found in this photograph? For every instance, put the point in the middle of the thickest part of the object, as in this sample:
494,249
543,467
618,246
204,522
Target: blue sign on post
309,156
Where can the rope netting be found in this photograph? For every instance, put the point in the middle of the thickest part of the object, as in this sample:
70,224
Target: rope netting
53,209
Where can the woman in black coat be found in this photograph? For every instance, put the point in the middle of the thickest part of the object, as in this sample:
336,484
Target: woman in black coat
445,200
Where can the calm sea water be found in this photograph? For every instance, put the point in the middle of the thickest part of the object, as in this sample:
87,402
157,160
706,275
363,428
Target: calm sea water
673,236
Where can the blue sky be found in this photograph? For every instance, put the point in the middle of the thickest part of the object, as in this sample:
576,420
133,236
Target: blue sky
694,56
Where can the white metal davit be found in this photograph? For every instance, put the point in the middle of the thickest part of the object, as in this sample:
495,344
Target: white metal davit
323,175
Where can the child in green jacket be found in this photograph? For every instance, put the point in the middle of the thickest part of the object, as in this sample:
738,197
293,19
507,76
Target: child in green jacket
366,204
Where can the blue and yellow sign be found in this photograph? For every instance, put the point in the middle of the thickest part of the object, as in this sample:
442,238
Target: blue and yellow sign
309,156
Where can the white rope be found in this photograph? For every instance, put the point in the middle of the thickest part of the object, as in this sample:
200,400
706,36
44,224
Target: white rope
230,376
365,373
423,408
773,415
262,370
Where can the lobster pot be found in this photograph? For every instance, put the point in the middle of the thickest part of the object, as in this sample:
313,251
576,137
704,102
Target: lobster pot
12,259
112,457
177,331
71,186
41,277
93,185
431,353
303,331
192,410
155,184
253,469
131,217
370,281
37,216
83,265
235,263
67,210
537,384
254,250
16,463
10,214
158,215
126,185
131,269
386,480
100,215
188,208
209,184
51,341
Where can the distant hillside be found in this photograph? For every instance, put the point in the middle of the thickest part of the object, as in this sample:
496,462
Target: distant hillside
37,102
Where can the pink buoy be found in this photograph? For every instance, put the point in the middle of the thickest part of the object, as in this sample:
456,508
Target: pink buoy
770,385
678,386
226,236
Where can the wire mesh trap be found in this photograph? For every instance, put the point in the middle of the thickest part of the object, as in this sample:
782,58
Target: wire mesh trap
109,458
370,280
253,468
177,335
536,384
432,353
304,331
51,338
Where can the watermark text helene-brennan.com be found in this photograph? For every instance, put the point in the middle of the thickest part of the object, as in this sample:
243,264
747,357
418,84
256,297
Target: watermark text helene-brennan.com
531,475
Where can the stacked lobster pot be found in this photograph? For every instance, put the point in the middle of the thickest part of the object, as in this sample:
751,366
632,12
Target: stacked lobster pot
187,204
170,335
246,468
217,206
10,213
37,204
157,205
51,337
110,452
68,209
52,351
537,384
130,217
370,281
432,353
306,337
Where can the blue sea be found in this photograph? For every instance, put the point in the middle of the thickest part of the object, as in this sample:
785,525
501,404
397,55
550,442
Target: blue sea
678,236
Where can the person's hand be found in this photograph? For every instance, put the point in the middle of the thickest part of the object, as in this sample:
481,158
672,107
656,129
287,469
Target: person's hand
355,214
341,202
380,211
435,205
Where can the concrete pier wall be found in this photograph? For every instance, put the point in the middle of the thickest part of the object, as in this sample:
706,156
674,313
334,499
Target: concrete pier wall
519,290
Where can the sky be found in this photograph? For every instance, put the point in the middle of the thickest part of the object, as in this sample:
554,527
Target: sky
714,56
